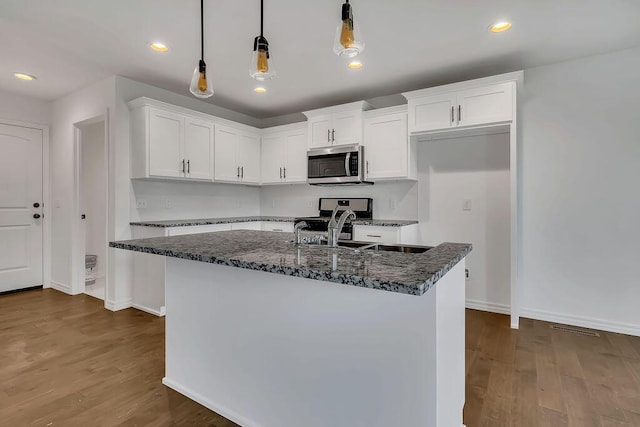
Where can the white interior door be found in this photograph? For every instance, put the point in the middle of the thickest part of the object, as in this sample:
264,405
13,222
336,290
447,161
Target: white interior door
20,207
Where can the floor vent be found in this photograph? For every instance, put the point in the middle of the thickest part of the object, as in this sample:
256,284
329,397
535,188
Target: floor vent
573,330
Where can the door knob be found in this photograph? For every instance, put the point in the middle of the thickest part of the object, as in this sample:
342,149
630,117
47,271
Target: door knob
36,205
36,216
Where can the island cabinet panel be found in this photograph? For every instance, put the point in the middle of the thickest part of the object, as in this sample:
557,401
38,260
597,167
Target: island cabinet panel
167,144
149,270
388,153
250,225
284,156
268,349
433,109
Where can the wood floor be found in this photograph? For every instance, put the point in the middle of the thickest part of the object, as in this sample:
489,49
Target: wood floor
65,361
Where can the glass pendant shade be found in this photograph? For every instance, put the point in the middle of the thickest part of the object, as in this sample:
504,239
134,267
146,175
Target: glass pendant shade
200,86
261,66
348,41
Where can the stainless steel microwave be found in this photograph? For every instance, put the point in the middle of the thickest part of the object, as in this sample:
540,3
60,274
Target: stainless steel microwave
336,166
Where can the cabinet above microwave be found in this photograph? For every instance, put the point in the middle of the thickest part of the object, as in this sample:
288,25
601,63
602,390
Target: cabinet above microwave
338,125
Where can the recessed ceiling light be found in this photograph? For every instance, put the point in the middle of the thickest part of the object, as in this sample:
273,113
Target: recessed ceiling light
355,65
499,27
260,89
159,47
23,76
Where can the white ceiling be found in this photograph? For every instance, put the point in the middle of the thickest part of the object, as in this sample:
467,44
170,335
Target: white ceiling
410,44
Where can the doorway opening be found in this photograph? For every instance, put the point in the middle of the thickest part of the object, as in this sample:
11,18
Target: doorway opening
93,207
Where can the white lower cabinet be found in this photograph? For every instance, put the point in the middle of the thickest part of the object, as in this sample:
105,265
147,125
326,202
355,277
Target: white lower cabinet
250,225
283,227
408,234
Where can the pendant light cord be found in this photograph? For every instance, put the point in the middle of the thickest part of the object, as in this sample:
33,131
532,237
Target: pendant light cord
261,17
202,30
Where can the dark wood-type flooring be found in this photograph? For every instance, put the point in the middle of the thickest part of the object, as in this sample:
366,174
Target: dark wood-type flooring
66,361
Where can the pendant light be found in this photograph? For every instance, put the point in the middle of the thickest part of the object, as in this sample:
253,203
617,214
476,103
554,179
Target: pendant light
261,67
200,87
348,41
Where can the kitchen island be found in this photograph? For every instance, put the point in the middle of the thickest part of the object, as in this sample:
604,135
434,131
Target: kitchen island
267,333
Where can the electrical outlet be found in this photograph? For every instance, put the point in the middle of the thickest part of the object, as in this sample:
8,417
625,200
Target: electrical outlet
310,203
467,275
466,205
168,204
141,204
273,203
393,204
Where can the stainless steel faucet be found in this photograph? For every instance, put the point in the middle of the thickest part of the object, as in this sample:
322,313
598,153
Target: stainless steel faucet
335,229
296,231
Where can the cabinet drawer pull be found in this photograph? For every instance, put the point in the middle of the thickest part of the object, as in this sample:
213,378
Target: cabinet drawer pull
374,235
276,229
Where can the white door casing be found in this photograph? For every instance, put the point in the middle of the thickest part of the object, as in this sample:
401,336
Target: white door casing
20,190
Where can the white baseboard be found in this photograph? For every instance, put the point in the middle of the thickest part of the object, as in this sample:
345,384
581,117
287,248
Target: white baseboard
219,409
61,287
488,306
158,313
118,305
585,322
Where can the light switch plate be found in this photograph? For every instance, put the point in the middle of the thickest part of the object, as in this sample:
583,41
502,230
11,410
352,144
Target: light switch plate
466,205
141,203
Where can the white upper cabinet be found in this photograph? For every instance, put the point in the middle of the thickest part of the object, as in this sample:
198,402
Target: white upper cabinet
198,148
237,156
388,154
463,105
339,125
284,155
165,138
166,144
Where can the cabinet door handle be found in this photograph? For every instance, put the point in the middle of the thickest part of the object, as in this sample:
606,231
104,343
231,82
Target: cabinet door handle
182,165
328,135
188,166
459,113
280,173
242,172
285,172
367,167
452,108
238,171
333,135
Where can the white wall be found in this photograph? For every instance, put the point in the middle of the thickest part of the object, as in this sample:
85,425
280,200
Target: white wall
93,188
193,200
23,109
302,199
84,104
580,177
476,169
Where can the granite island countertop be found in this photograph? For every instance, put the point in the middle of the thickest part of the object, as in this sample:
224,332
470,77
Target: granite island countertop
232,220
275,252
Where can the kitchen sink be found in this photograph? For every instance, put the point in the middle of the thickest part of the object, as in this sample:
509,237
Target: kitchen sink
377,247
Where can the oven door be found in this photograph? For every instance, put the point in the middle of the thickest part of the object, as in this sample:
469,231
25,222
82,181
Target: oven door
339,165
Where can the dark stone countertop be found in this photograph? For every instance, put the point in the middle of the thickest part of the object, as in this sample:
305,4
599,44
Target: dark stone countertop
231,220
275,252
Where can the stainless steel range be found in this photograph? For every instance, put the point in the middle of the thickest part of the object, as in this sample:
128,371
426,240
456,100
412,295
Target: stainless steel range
362,207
